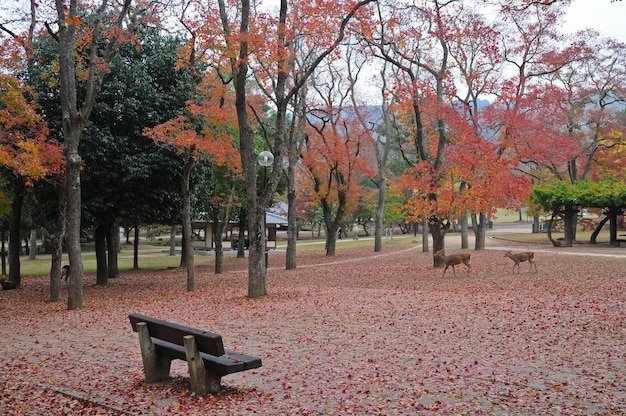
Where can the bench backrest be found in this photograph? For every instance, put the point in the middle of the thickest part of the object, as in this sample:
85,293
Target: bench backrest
207,342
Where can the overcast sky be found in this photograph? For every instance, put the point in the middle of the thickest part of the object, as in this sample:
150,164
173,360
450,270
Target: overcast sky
602,15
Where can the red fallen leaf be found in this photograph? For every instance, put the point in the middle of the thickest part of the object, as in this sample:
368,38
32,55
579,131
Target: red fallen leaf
501,335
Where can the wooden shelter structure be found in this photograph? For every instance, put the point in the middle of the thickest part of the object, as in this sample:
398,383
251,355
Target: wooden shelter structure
205,238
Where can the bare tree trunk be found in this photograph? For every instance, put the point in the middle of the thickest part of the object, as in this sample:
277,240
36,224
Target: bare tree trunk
296,142
594,235
102,272
75,284
187,241
480,227
56,267
113,248
32,245
380,215
464,231
15,247
218,229
75,114
555,243
57,237
613,212
570,225
292,223
257,285
438,230
173,240
241,245
536,228
136,248
4,253
425,235
333,222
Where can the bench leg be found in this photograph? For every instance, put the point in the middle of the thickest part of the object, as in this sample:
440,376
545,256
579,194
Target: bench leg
201,381
155,366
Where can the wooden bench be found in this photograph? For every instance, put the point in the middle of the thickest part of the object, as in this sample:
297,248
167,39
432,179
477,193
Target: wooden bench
161,342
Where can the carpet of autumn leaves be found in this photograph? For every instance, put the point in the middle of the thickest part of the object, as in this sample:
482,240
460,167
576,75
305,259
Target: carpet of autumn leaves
362,333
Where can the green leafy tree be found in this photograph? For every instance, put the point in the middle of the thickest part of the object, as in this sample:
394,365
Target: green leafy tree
128,177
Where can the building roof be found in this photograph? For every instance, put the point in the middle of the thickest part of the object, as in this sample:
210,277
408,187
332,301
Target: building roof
274,219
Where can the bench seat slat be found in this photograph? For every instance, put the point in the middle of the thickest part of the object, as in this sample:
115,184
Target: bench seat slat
249,361
221,366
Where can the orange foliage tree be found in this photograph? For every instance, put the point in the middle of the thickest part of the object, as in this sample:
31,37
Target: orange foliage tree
24,144
559,111
260,42
26,151
336,157
413,39
206,130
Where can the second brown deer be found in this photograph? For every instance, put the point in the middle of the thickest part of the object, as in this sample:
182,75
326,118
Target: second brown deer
521,257
453,260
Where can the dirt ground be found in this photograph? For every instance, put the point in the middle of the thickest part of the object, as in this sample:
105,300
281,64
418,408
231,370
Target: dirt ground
360,333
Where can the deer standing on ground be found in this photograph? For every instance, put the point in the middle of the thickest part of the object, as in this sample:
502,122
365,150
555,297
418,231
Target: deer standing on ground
521,257
65,272
7,285
452,260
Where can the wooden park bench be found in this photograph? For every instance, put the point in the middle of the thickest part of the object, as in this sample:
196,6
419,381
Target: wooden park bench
161,342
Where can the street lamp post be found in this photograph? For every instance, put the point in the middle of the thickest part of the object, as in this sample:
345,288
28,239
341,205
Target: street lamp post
265,159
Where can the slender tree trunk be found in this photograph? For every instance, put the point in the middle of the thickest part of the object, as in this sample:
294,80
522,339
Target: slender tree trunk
380,213
136,248
257,285
613,212
241,245
56,271
183,249
594,235
57,237
74,119
218,228
425,235
73,123
15,225
536,228
464,231
102,272
438,230
113,248
75,285
296,142
4,253
173,240
292,223
555,243
188,248
332,222
570,225
331,239
480,228
32,245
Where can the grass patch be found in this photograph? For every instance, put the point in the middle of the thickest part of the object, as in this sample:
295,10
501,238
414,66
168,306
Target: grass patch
150,258
155,256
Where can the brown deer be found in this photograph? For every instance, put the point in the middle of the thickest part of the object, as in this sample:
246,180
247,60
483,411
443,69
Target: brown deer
7,285
65,272
521,257
454,259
